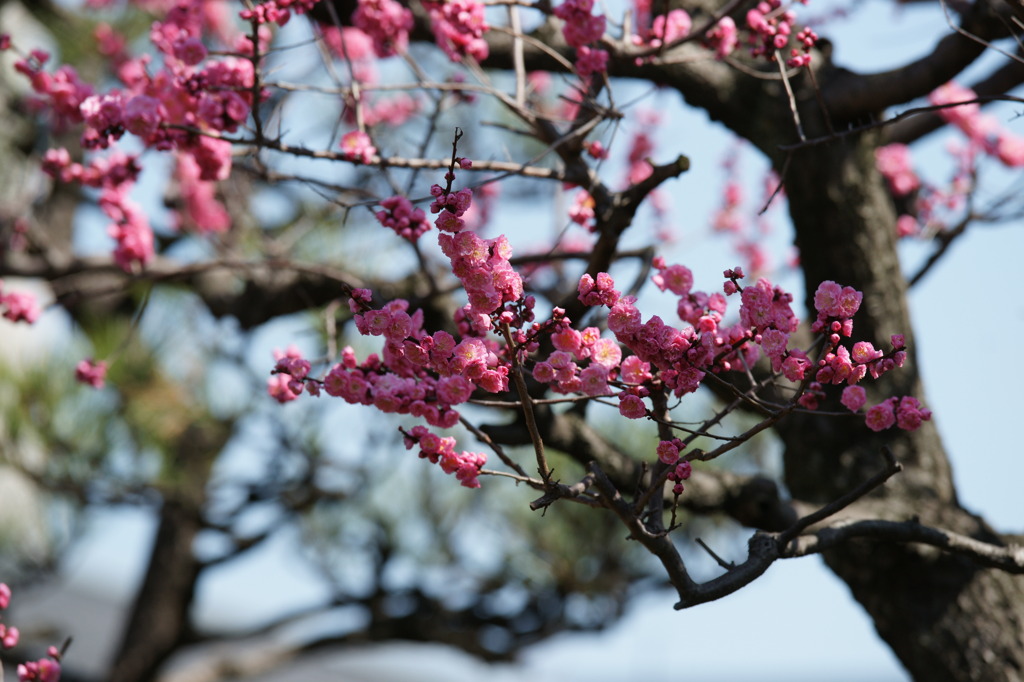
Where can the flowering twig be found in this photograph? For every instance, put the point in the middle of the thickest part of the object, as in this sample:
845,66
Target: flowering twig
527,405
790,96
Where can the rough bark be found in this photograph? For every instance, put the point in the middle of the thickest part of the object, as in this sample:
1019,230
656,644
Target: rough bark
944,617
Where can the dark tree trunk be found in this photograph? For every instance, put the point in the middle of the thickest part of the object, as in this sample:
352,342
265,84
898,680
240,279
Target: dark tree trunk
944,617
159,616
159,621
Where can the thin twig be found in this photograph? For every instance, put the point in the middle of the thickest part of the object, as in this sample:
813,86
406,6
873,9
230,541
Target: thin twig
914,111
727,565
1008,558
498,450
517,55
945,240
657,544
527,405
790,95
892,467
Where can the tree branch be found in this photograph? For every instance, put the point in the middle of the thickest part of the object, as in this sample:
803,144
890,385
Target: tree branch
1009,558
999,82
850,96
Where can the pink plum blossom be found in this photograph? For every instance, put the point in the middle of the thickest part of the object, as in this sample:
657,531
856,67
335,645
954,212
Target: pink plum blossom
356,146
632,407
881,416
386,22
668,452
91,372
853,398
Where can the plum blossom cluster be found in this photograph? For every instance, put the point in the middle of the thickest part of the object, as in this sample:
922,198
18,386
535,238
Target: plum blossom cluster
9,636
91,372
893,162
356,146
114,176
425,377
490,281
581,29
428,375
202,210
392,111
356,48
681,357
801,56
727,218
421,374
450,207
61,93
18,306
682,471
598,291
766,311
664,30
561,370
459,26
982,130
162,107
595,150
836,306
723,37
668,454
906,412
928,205
418,374
441,451
399,214
290,376
769,26
387,23
582,210
640,149
189,90
276,11
45,669
482,265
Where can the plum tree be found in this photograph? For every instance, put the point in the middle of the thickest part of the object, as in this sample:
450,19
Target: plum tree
304,163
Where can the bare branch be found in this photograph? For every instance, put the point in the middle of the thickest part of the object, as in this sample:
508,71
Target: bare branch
900,117
892,467
657,544
851,96
999,82
1009,558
